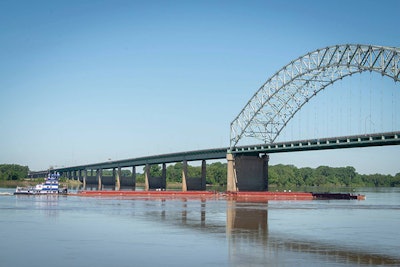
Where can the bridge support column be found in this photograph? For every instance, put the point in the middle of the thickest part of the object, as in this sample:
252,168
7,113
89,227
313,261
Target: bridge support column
118,179
99,172
247,173
134,177
203,174
184,176
164,177
84,179
146,177
265,170
126,182
158,182
251,172
193,183
231,174
114,178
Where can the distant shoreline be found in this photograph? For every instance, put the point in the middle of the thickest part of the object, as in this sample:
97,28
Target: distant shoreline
33,182
170,185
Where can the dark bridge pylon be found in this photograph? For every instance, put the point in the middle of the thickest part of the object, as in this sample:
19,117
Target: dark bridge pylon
288,90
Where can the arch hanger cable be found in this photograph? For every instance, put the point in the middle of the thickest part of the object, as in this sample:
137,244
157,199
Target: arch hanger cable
277,101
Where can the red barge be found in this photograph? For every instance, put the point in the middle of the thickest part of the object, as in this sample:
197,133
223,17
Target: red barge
238,196
148,194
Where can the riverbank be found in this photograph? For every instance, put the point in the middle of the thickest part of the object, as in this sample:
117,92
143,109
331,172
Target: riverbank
23,183
33,182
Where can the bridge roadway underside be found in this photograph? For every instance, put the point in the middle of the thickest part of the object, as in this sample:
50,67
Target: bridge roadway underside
247,165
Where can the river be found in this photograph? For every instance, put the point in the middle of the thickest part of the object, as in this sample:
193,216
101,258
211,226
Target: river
85,231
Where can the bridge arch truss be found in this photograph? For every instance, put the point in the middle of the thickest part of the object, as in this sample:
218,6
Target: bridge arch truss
277,101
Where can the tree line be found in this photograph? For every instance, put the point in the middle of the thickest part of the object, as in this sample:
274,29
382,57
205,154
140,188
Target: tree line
285,176
10,172
278,175
215,174
291,176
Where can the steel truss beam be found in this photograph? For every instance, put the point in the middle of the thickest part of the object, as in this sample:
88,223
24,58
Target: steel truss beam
287,91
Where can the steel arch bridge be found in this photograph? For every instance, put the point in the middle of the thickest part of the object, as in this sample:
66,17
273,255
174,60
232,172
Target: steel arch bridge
277,101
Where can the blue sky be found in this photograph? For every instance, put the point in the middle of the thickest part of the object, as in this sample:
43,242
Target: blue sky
88,81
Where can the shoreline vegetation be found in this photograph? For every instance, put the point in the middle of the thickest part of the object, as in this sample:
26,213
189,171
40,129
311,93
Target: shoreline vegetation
279,176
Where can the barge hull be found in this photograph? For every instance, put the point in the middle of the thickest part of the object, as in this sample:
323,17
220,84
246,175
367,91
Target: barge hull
237,196
149,194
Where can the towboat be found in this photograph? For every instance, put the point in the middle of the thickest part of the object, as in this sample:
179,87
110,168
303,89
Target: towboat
50,186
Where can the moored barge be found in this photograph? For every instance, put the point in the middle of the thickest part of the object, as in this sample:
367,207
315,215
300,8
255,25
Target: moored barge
238,196
338,196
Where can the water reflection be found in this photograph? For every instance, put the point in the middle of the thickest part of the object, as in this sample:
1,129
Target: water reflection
246,229
245,222
250,231
247,232
185,213
46,204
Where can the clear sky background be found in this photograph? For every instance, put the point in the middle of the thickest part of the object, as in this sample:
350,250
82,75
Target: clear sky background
88,81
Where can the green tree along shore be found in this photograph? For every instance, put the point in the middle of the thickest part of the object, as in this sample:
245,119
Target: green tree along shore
289,176
12,172
279,175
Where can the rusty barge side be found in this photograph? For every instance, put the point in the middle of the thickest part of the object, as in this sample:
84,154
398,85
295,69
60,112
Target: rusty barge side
239,196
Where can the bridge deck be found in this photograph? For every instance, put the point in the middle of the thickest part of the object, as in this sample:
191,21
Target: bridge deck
378,139
365,140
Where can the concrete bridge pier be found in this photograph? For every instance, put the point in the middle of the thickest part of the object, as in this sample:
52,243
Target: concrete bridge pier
247,173
133,177
91,180
117,177
194,183
99,174
231,183
155,182
129,181
184,176
84,179
164,176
